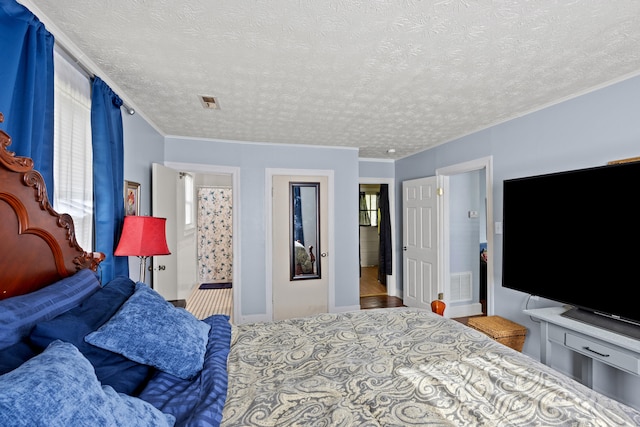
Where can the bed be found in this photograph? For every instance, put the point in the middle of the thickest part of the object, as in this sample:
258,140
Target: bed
304,261
75,351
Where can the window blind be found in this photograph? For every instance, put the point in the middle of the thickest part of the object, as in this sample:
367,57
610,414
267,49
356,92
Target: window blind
73,176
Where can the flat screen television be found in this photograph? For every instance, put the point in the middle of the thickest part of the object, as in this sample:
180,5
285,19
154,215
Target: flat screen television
574,237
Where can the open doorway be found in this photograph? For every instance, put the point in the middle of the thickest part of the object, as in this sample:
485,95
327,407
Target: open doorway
213,290
369,235
375,282
467,242
214,231
208,270
447,239
466,229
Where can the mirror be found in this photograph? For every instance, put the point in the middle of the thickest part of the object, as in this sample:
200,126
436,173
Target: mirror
304,230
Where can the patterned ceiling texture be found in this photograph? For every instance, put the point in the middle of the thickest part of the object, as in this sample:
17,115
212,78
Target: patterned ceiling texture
371,74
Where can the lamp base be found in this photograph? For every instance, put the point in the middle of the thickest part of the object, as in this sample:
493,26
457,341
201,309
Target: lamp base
143,268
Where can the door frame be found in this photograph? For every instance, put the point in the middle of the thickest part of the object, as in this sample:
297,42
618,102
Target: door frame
235,197
392,291
163,204
443,175
268,202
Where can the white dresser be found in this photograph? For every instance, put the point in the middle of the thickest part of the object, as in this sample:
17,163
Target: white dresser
617,350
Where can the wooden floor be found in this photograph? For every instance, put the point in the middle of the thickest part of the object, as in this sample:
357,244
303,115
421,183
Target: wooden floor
369,285
372,293
202,303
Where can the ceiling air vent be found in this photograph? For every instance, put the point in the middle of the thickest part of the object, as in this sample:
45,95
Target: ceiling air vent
209,102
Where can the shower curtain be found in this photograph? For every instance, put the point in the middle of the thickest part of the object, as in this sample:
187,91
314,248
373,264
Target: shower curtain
215,249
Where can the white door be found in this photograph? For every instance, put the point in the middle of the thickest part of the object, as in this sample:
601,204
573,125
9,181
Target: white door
420,242
297,298
163,204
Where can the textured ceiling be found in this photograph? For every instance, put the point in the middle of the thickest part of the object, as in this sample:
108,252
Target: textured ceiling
405,74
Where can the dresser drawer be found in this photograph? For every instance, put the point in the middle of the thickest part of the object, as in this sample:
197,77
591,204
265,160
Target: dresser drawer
610,355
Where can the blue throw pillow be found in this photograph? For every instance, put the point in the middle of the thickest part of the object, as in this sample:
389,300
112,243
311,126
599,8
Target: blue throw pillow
196,402
124,375
58,388
147,329
18,315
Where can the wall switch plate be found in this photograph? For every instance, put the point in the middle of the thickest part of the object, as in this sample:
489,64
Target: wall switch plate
498,227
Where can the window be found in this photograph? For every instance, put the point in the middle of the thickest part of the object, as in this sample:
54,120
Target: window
189,207
72,156
369,209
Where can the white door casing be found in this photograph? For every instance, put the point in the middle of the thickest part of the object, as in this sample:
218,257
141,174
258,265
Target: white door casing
420,242
297,298
443,174
163,204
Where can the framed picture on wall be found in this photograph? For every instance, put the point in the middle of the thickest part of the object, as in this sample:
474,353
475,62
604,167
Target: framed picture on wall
131,198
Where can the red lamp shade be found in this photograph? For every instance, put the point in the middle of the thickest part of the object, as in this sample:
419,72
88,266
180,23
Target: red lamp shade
143,236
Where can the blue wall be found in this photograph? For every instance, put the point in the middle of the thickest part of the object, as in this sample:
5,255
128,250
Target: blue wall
370,168
143,145
253,160
589,130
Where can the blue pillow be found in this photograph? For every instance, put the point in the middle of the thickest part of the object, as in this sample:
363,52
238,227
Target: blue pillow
147,329
124,375
18,315
196,402
58,388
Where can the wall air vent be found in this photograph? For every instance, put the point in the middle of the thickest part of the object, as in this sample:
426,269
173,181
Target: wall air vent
209,102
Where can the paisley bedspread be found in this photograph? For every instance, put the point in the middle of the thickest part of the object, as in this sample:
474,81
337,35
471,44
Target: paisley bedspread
398,367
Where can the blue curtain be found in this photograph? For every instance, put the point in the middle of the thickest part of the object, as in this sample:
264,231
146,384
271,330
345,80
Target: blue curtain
108,177
385,254
298,231
26,86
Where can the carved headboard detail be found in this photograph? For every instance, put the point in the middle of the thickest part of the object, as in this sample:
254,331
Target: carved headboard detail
37,245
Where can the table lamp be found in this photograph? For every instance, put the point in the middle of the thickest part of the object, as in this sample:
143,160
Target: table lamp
143,236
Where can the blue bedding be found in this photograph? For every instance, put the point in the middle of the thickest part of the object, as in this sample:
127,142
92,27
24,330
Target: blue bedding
199,401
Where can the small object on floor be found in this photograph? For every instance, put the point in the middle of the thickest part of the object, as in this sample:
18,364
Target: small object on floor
438,306
223,285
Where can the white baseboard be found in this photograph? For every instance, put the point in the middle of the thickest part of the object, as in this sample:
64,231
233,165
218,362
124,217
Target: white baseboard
345,308
253,318
473,309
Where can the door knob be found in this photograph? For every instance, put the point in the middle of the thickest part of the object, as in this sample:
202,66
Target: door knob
404,248
324,254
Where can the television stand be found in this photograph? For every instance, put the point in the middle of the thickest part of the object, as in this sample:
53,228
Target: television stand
594,343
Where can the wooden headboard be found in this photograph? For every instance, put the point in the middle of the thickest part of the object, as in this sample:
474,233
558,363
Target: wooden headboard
37,245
